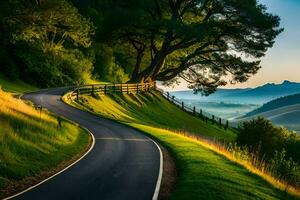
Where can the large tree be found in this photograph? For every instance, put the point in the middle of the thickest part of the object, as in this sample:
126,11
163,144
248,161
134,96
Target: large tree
205,42
46,40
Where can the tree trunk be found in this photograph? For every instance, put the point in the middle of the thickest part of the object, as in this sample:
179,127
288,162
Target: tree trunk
152,70
137,67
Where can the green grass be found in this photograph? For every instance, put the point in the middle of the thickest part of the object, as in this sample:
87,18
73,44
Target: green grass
155,110
30,144
17,86
203,173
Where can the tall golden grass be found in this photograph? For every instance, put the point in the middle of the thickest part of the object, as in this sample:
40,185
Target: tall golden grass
17,108
241,156
31,141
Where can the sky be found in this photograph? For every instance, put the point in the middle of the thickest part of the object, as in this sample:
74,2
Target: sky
282,61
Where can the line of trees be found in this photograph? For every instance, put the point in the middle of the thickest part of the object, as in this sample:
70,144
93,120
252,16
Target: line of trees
204,42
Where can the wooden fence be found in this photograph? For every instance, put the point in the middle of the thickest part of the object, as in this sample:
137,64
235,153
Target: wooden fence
205,116
103,89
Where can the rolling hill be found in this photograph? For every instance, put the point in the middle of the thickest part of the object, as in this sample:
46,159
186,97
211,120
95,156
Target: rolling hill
284,111
287,116
276,103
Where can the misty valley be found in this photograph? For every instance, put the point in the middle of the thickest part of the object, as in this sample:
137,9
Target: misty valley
279,103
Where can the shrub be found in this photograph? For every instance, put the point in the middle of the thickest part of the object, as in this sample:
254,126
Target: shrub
285,168
260,134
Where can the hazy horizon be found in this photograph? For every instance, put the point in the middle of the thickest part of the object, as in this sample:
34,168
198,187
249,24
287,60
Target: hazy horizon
184,88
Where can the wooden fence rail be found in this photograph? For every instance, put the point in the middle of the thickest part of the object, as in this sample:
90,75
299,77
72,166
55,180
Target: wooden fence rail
205,116
103,89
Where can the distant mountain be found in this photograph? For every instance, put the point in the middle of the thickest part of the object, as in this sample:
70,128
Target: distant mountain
276,103
268,92
258,95
220,93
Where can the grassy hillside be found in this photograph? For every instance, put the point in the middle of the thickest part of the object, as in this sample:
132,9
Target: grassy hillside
155,110
276,103
204,172
31,143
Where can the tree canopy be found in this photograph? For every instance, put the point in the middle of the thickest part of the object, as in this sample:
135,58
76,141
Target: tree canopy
205,42
45,41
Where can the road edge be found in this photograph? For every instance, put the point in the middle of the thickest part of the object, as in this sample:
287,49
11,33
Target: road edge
160,173
64,169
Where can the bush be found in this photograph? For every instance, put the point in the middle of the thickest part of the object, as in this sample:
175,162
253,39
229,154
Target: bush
261,135
55,67
285,168
276,145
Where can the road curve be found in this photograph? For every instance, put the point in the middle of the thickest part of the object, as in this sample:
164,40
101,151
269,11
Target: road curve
123,164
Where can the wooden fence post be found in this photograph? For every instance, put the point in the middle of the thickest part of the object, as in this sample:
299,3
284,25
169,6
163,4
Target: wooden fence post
77,94
93,90
213,119
127,88
121,88
114,88
227,125
105,89
194,110
220,122
200,115
137,88
182,105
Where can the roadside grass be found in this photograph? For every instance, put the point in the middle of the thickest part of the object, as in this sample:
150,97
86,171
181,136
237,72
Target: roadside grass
205,172
30,143
16,86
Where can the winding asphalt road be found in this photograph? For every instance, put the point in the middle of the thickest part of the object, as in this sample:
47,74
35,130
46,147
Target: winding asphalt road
123,164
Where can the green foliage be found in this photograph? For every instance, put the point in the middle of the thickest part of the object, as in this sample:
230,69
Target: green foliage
285,168
196,40
279,166
106,67
47,40
260,134
276,145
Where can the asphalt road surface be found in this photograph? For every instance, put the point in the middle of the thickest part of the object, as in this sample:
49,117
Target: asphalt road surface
124,164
